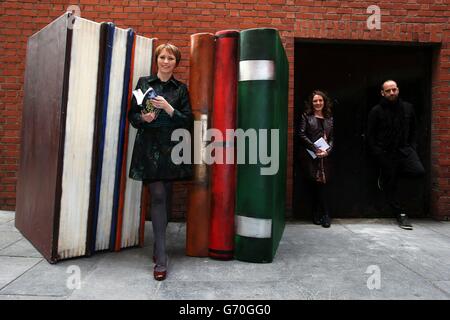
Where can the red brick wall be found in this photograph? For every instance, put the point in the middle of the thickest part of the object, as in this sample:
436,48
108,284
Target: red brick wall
401,20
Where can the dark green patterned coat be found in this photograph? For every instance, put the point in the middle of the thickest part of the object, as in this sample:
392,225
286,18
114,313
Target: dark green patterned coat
151,160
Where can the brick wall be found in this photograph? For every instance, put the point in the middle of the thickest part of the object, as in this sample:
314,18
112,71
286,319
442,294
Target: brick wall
401,20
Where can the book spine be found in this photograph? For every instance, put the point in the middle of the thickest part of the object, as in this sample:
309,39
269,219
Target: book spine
201,97
223,174
260,192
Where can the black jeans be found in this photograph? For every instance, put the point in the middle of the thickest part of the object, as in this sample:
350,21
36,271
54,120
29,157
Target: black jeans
395,165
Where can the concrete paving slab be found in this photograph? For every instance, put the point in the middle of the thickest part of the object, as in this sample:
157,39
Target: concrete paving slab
182,268
315,239
424,264
442,227
8,238
311,263
120,275
12,268
286,266
28,297
398,240
218,290
6,216
342,288
8,226
46,279
354,287
443,285
21,248
422,250
329,266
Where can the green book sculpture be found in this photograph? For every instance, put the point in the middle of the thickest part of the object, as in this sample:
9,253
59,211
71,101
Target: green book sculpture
262,109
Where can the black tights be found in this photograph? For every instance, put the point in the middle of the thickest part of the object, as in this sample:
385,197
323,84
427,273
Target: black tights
160,192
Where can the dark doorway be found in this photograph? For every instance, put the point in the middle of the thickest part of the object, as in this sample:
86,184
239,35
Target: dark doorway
352,74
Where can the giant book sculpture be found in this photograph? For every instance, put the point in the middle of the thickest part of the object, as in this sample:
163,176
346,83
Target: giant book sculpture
54,188
113,111
131,219
223,172
73,193
201,96
262,105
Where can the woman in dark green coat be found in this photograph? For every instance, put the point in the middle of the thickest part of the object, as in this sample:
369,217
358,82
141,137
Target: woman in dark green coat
156,118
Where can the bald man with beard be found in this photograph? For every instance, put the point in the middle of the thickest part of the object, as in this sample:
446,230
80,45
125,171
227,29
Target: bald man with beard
392,140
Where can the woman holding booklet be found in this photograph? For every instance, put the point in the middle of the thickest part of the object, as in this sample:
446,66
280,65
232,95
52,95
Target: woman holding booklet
316,137
160,104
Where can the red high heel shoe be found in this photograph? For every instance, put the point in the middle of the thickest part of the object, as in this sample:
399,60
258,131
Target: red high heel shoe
159,275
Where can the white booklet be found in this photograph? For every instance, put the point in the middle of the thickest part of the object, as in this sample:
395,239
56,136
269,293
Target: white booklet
321,144
140,96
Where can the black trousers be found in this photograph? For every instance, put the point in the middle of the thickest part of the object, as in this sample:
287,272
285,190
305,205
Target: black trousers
320,199
394,166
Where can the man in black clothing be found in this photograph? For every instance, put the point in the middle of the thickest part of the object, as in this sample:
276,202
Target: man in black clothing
392,140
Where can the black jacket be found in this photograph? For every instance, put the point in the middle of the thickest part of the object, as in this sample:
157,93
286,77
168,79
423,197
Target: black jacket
151,160
310,131
391,127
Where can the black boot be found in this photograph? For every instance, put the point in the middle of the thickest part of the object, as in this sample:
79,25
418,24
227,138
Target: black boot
326,221
317,219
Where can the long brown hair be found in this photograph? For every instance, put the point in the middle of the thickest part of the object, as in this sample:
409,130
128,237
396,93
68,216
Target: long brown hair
327,107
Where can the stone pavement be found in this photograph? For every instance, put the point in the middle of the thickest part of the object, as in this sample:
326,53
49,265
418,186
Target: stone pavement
311,263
